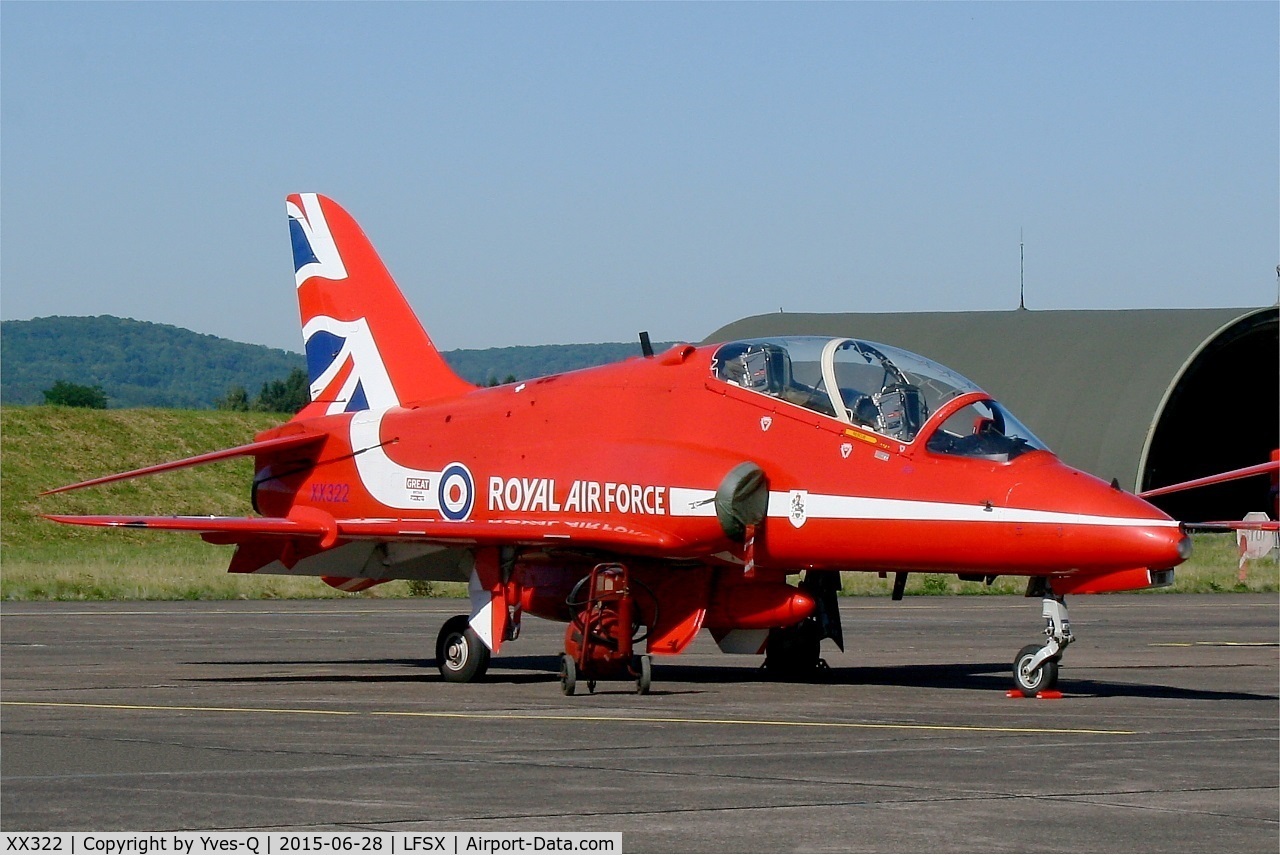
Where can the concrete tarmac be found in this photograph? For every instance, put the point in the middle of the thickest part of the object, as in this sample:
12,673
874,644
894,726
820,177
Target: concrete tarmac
324,715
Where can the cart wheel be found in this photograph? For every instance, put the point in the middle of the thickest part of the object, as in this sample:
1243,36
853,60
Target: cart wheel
645,678
568,674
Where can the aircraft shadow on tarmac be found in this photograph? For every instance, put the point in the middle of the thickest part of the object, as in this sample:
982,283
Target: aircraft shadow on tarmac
422,671
968,676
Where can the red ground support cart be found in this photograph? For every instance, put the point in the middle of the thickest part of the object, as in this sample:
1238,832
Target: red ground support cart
601,638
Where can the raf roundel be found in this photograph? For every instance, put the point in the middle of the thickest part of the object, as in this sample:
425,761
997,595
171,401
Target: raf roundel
455,492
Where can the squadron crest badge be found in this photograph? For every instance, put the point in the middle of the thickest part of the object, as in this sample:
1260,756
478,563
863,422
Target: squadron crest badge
796,502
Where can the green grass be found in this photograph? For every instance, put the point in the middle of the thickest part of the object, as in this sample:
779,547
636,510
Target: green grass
1212,568
1213,565
46,447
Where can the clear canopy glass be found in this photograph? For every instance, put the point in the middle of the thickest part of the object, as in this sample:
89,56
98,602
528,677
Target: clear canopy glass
874,386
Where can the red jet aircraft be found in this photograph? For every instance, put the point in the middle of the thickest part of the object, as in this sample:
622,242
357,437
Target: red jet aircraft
644,501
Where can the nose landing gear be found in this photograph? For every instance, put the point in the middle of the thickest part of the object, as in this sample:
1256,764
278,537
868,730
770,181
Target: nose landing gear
1035,668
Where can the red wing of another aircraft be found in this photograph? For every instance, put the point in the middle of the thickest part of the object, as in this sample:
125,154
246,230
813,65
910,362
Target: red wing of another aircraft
1269,468
644,501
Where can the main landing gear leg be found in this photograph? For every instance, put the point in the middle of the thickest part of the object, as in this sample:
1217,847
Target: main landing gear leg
794,652
1035,669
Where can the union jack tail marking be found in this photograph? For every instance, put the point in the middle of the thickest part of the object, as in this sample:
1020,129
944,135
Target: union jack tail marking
365,348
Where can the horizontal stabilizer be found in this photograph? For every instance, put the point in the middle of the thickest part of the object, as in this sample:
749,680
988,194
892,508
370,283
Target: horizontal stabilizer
243,526
277,444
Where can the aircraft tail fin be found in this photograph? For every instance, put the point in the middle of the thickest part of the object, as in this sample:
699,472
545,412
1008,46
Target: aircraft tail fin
365,347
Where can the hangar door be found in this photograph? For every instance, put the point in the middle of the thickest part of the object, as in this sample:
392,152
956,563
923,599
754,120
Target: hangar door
1222,413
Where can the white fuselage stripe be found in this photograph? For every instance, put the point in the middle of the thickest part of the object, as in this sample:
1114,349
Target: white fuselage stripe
866,508
384,479
687,502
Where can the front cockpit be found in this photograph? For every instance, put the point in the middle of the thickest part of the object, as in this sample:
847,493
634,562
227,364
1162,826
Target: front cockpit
876,387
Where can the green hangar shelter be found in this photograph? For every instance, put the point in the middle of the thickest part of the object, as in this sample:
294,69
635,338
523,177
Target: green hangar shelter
1147,396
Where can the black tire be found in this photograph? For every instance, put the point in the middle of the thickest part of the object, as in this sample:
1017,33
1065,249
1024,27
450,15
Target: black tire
460,654
568,674
645,678
1043,678
793,653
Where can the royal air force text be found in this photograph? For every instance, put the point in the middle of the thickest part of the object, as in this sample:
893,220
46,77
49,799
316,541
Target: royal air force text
587,497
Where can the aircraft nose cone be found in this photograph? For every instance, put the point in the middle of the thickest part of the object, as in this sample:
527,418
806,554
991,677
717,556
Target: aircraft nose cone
1184,547
1153,545
1111,528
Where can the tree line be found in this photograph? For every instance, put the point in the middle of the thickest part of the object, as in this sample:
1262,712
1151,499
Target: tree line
277,396
118,362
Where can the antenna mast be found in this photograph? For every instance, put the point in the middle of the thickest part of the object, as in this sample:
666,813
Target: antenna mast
1022,274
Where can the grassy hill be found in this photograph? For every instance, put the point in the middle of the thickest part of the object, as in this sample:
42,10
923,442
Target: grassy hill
138,364
44,447
141,364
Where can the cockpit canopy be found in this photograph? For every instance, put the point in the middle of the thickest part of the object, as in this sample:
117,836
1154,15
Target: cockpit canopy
877,387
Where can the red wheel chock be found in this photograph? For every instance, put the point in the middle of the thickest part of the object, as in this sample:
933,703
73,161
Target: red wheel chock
1046,695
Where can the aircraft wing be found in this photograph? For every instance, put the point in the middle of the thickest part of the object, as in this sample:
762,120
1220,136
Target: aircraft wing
1222,478
1234,525
625,538
629,538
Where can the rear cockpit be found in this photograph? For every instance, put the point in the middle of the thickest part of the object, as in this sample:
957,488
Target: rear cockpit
877,387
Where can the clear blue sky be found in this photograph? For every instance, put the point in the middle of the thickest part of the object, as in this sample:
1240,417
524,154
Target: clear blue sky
577,172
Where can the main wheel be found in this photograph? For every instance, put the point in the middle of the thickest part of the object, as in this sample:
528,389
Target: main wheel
568,674
460,654
645,677
793,653
1042,678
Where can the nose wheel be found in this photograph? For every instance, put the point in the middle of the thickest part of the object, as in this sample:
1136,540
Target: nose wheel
1035,668
1029,678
